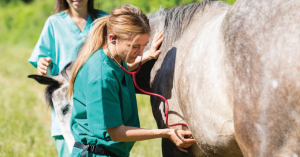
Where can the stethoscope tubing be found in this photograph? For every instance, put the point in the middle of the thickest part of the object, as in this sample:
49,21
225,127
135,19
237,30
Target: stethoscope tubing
133,74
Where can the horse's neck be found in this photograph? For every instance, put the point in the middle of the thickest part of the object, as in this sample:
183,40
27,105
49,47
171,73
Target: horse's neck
202,19
194,70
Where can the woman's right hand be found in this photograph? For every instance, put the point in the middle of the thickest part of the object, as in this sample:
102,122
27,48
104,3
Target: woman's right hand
177,136
42,65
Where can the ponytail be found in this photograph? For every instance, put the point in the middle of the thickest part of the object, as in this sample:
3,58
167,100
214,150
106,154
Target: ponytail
95,40
126,22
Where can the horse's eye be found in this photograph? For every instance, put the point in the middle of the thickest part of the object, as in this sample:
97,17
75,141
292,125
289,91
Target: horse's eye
65,109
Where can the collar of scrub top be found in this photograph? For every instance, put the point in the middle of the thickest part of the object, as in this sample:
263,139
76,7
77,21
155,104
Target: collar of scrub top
73,25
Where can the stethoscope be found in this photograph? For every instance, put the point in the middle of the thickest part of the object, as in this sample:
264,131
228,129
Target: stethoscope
133,74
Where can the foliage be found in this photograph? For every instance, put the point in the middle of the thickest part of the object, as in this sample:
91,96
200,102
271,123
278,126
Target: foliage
21,23
5,2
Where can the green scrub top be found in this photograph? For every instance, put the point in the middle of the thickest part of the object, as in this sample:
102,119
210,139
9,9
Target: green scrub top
103,97
59,40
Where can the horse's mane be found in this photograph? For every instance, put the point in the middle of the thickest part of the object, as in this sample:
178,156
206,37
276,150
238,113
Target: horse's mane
48,94
177,19
174,21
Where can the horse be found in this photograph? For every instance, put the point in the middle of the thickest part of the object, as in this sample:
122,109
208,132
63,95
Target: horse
56,97
231,73
189,73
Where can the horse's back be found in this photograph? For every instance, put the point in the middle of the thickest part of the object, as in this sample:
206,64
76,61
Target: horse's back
263,40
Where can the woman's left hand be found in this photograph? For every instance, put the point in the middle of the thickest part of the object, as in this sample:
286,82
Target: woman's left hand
153,53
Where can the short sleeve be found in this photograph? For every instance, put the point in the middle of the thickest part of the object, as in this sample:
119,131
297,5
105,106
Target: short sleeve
103,105
45,46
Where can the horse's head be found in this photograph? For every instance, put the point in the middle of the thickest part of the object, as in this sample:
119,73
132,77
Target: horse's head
56,91
56,97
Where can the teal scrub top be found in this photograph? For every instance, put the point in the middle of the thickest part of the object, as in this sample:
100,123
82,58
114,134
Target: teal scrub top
103,97
59,40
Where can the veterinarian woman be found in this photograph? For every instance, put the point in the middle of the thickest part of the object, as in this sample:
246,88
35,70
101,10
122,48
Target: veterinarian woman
104,119
61,36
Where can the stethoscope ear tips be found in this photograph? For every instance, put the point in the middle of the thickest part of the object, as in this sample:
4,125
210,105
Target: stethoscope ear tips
112,41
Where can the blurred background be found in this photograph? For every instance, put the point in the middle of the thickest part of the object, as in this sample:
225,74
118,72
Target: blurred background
24,117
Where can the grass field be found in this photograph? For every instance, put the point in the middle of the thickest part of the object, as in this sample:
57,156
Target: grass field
25,120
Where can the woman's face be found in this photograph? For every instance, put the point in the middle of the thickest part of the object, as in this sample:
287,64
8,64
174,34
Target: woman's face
78,4
138,46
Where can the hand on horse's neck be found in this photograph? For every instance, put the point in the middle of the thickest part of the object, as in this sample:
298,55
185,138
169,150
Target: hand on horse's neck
79,17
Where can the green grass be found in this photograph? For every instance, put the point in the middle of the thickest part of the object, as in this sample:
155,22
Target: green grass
25,120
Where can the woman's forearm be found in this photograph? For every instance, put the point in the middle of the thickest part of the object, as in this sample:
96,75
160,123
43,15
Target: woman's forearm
135,65
129,134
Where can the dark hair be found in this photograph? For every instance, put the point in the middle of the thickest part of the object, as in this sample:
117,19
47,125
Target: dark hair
62,5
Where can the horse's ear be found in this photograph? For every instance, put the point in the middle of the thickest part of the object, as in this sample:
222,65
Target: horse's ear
46,80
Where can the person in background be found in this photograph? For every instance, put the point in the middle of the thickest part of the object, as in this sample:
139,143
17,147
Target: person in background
63,33
104,120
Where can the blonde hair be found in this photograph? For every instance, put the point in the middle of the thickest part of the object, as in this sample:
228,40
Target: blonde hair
125,22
